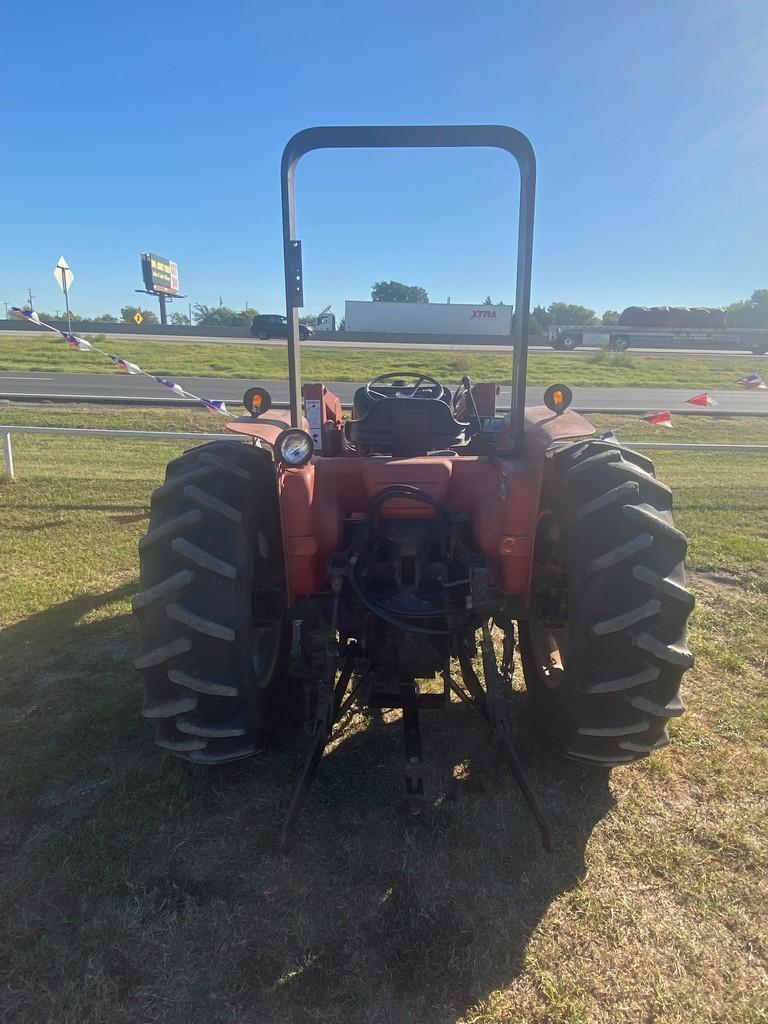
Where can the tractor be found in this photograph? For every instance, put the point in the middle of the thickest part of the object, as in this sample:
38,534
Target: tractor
410,554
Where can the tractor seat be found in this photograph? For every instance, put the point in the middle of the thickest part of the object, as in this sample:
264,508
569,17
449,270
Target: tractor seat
406,427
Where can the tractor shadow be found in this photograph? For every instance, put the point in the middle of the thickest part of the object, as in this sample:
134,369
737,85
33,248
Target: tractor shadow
375,916
424,917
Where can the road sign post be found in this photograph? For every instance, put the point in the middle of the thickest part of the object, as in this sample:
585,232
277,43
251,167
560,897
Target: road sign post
64,278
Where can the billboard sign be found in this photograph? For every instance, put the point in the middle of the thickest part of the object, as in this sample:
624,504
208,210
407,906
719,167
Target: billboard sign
160,275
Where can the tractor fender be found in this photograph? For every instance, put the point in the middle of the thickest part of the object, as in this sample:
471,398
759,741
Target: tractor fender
543,428
264,428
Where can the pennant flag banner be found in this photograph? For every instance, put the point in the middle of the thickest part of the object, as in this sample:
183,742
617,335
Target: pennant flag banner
81,345
752,380
214,406
26,314
701,400
125,366
171,385
659,419
78,343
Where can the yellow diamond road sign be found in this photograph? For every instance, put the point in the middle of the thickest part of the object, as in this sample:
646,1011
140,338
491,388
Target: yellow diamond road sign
138,318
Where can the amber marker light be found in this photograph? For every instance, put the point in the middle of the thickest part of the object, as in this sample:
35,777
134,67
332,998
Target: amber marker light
557,398
257,401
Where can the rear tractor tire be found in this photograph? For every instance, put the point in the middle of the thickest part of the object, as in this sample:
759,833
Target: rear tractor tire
604,649
214,640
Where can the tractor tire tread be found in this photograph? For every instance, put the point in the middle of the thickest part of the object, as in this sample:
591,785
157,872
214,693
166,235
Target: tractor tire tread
162,589
626,651
212,503
192,726
169,708
209,549
203,558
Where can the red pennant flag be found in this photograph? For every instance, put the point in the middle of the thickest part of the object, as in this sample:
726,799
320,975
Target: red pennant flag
659,419
704,399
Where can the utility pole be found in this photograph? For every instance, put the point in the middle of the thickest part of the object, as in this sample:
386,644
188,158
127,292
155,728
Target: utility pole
29,292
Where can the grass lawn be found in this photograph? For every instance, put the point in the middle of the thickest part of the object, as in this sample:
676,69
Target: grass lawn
134,888
259,362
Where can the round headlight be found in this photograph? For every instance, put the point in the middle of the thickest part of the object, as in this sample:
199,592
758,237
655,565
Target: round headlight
295,447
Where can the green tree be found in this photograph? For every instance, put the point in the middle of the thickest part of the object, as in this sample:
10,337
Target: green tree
180,319
749,313
567,313
60,316
539,321
221,316
127,313
610,316
105,318
394,291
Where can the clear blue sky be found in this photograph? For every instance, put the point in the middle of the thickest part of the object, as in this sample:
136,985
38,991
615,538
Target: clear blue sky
159,126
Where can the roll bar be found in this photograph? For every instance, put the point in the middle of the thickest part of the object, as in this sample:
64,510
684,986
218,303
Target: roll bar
411,137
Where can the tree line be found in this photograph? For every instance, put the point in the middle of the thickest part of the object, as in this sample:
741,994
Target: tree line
746,313
203,316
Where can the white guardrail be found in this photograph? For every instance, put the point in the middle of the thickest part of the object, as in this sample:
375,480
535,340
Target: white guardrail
164,435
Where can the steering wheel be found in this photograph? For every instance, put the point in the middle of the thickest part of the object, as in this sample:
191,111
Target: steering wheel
434,388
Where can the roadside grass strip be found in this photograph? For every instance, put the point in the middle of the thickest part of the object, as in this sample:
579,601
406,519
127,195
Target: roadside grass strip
44,353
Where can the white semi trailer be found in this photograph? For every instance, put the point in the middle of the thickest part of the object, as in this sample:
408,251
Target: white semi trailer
455,318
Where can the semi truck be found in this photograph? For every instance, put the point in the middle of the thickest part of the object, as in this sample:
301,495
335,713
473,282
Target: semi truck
662,326
326,321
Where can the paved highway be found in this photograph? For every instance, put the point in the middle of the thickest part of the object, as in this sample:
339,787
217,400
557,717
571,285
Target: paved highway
120,388
537,345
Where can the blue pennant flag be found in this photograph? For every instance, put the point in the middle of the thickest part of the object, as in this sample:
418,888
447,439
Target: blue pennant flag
213,405
171,385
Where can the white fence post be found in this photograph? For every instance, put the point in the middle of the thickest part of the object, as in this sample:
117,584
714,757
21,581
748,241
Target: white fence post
8,454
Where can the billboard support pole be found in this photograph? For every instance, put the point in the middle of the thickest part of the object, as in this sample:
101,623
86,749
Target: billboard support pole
163,314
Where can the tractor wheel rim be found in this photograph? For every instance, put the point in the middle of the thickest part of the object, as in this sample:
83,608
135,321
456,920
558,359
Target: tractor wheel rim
550,645
267,632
